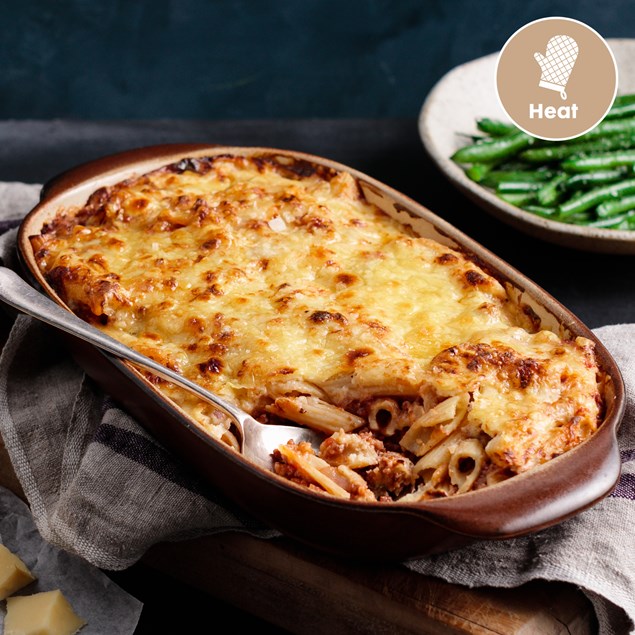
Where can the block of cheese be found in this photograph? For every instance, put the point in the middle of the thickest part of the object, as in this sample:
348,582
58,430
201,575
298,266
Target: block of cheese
46,613
14,574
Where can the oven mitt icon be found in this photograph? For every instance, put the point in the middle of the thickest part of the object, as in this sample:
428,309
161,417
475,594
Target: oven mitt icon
557,64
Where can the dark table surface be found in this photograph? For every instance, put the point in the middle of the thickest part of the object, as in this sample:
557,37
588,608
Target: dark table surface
598,288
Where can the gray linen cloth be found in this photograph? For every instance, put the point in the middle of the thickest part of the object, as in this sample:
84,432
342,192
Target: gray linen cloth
100,487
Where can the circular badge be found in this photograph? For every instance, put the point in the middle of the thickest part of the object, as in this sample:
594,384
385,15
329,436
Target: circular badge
556,78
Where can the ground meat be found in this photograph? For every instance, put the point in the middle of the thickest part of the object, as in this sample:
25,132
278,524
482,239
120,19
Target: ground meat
288,471
393,475
353,450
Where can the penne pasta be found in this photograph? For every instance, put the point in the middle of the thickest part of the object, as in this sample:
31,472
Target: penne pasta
435,425
465,465
314,469
384,416
439,456
315,413
294,387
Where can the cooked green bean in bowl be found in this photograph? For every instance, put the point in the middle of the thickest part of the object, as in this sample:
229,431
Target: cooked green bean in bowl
588,181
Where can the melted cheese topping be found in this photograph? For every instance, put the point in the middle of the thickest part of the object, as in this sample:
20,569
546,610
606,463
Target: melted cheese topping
534,395
261,277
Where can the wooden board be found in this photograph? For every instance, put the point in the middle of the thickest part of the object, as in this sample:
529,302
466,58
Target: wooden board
308,593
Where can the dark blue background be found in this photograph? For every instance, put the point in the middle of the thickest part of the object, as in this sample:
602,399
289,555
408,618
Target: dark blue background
93,59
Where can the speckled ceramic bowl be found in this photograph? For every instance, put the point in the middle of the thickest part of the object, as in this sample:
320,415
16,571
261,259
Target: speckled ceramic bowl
371,531
468,93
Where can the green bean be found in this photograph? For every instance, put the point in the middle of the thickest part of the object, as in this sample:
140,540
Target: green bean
565,151
581,218
515,165
623,106
624,100
494,178
519,199
614,221
494,127
606,160
551,192
478,171
613,208
595,197
585,180
610,127
496,148
624,110
507,187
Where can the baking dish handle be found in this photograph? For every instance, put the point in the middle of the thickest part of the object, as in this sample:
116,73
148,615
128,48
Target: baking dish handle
73,176
551,493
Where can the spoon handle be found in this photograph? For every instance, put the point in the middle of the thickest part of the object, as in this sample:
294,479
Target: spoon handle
17,293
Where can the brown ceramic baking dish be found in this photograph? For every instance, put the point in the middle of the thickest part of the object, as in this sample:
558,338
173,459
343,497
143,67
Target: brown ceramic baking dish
526,503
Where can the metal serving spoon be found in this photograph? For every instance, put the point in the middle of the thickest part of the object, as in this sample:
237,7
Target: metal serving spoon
258,440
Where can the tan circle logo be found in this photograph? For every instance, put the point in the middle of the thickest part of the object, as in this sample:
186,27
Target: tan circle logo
556,78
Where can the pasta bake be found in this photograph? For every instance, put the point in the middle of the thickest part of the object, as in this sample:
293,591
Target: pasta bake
276,284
